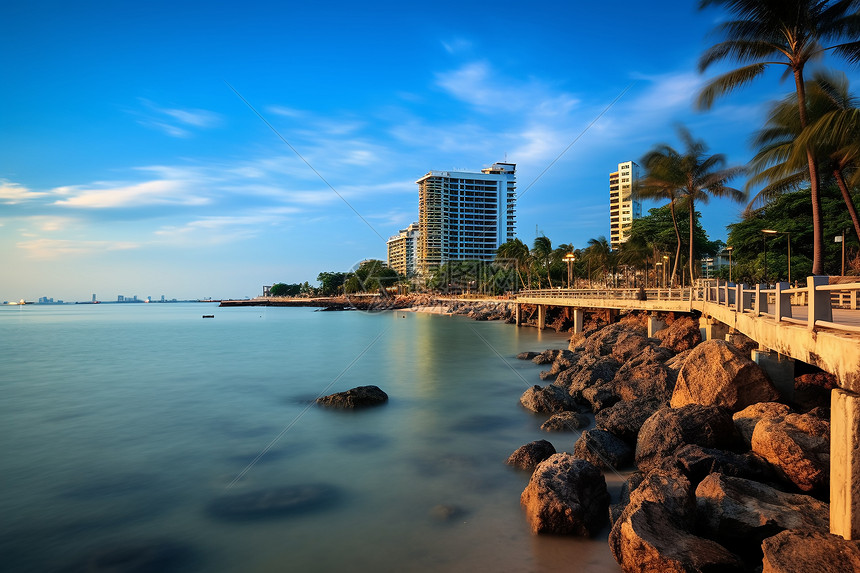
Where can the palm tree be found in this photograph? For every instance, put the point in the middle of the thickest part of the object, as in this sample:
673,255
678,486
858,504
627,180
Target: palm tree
662,174
694,176
517,251
787,33
599,254
781,162
542,253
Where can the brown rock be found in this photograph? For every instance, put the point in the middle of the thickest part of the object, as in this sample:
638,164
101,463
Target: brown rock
670,428
746,420
805,551
546,399
359,397
588,371
625,418
650,541
564,360
798,447
683,334
603,449
745,512
697,462
742,342
627,340
565,422
813,390
566,495
716,373
676,362
646,375
528,457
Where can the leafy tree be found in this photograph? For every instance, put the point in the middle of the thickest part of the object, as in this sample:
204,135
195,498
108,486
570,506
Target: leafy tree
542,256
282,289
695,176
331,282
518,252
786,33
371,276
473,276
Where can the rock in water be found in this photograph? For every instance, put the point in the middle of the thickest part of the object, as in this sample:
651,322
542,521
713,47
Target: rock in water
359,397
527,457
275,502
741,511
625,418
804,551
547,399
798,446
566,495
717,374
565,422
603,449
668,429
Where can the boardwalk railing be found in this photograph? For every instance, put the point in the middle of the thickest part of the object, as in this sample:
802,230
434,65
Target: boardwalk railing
814,303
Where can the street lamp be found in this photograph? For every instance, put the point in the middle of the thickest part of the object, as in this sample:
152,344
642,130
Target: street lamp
788,240
569,258
730,249
660,269
665,268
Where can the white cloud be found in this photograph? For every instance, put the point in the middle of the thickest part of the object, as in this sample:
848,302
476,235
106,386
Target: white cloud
12,193
177,122
157,192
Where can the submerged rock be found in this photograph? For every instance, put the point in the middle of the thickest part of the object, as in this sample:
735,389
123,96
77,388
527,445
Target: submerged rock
274,502
566,495
527,457
565,422
359,397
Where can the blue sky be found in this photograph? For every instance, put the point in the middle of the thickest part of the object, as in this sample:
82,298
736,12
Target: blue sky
129,166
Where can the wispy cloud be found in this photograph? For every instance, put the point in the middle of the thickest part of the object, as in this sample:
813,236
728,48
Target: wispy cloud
12,193
176,122
157,192
54,248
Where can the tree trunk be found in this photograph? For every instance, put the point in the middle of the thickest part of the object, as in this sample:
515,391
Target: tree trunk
692,220
678,248
846,195
814,190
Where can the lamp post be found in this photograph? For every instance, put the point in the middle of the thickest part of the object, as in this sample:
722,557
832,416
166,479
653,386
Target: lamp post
569,258
788,240
730,249
659,266
841,239
665,268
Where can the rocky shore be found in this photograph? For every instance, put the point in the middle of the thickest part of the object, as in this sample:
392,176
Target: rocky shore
722,474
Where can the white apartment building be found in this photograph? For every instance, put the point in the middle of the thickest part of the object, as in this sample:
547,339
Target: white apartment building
464,215
403,250
622,207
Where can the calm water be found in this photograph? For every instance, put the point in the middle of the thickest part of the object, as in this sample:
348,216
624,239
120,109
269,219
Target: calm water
120,424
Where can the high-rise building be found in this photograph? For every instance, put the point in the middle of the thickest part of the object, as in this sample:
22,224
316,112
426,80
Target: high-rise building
623,208
464,215
403,250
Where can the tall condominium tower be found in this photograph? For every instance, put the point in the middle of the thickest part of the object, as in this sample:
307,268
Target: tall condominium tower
465,215
403,250
622,207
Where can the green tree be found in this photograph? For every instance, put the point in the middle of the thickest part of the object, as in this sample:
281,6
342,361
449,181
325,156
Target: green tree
371,276
786,33
518,252
331,282
695,176
282,289
542,256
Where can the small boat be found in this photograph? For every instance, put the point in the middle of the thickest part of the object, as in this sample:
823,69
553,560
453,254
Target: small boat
208,316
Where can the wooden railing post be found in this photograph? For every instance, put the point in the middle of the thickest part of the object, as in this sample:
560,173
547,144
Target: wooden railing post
819,301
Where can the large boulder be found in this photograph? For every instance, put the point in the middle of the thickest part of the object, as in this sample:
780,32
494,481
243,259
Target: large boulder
603,450
566,495
625,418
746,420
697,462
564,360
546,399
619,340
528,456
804,551
798,447
600,396
565,422
717,374
670,428
588,371
745,512
646,375
650,540
546,357
683,334
359,397
813,390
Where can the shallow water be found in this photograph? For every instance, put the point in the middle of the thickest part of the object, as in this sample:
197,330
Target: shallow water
121,425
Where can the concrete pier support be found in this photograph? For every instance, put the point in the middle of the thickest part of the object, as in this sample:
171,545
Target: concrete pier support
655,323
541,322
845,464
518,310
711,329
578,318
780,370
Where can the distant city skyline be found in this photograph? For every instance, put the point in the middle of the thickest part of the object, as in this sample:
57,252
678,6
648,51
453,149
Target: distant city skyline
130,163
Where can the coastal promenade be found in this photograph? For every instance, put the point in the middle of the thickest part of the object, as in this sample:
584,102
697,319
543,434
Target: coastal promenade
818,323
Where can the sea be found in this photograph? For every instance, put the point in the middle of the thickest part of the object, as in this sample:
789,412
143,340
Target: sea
145,437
